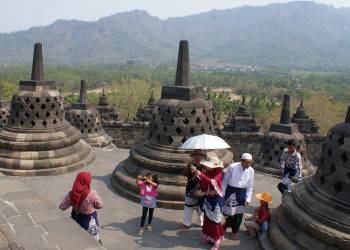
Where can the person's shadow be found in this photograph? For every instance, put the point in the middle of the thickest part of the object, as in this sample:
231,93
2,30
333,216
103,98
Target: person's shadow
165,234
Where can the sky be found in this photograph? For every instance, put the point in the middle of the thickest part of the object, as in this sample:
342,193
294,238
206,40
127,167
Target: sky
23,14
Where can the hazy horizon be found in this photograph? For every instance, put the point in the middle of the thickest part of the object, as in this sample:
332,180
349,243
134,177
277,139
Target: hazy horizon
21,14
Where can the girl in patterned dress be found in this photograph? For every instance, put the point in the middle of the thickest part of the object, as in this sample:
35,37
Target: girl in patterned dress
84,201
148,190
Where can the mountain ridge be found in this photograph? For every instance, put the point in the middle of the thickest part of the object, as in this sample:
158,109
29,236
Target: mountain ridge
292,35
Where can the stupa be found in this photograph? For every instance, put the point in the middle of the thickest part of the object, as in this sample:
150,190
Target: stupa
108,113
241,132
275,141
241,121
144,114
316,215
306,125
4,112
181,113
37,139
87,120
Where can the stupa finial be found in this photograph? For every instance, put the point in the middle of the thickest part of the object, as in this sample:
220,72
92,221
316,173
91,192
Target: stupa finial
82,98
285,113
38,63
347,118
183,65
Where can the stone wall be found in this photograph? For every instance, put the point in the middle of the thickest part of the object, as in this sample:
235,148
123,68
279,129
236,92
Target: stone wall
125,135
242,143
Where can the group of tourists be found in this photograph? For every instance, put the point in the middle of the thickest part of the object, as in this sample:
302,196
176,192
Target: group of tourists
218,196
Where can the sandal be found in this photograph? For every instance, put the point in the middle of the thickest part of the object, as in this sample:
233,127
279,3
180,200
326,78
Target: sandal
233,236
149,228
141,232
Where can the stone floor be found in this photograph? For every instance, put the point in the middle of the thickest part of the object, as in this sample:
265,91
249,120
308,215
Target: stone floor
38,223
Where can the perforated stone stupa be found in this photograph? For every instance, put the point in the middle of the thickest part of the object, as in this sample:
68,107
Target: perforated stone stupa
37,140
241,121
181,113
241,132
4,112
316,214
306,125
144,114
87,120
108,113
275,141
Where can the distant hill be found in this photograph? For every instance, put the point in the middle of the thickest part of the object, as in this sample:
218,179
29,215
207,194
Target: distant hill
291,35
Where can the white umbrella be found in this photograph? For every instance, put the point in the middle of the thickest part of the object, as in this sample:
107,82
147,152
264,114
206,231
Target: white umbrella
204,142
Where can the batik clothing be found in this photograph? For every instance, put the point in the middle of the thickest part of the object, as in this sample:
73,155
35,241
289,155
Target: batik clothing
238,188
148,195
85,215
291,167
192,202
291,163
89,222
212,229
235,199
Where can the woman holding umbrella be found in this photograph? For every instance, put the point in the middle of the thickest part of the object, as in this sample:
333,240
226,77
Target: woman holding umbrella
212,230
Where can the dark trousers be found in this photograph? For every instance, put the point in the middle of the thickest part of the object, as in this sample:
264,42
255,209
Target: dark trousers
234,222
144,215
282,188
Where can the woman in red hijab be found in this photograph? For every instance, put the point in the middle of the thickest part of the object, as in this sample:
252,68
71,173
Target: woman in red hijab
84,201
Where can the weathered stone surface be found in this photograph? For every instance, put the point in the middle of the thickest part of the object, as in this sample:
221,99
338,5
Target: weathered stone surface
35,223
4,110
37,140
319,208
275,141
87,120
181,113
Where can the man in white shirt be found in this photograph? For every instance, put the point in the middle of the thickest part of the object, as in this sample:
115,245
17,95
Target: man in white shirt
237,187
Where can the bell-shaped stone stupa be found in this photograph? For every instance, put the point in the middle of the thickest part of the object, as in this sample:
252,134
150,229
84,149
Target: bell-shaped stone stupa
87,120
316,214
275,141
37,139
181,113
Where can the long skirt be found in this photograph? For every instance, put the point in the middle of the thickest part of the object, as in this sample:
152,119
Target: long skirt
89,222
212,229
212,232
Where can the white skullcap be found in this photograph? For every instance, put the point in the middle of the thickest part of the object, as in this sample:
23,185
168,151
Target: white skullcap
247,156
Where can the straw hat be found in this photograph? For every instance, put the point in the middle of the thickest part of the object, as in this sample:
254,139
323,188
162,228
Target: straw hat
213,162
264,197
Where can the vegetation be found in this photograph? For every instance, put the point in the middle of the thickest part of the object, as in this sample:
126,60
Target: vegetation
325,95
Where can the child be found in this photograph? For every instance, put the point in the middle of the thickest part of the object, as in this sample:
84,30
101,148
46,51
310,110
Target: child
148,191
259,222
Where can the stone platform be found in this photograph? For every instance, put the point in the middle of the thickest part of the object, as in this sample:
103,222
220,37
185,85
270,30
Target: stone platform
39,224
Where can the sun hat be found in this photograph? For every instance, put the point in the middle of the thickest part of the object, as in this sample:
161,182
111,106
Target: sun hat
264,197
247,156
212,162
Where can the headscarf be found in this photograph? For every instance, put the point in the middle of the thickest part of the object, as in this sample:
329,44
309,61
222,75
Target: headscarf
80,189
